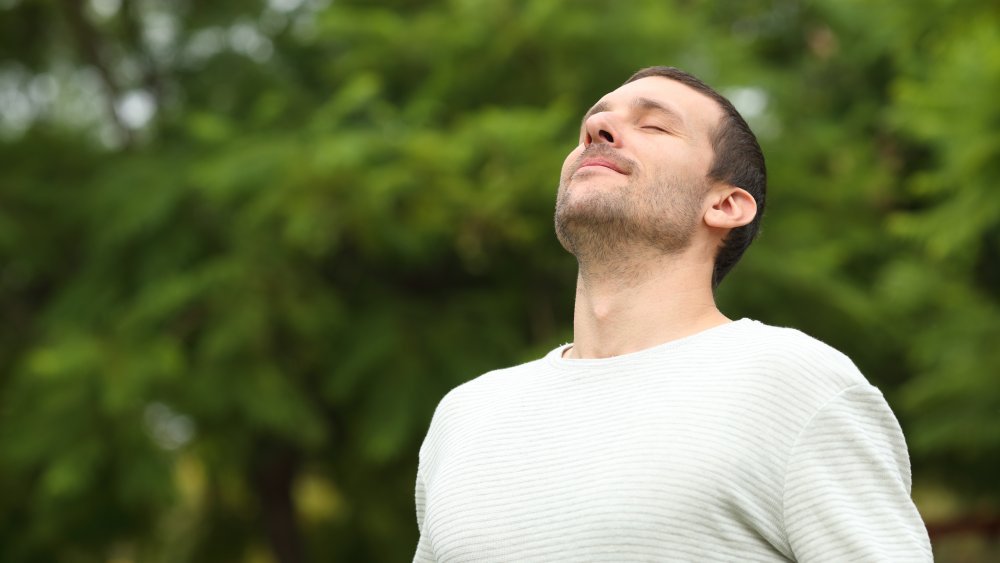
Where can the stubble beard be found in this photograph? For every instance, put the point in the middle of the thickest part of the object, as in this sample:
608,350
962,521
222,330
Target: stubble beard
616,229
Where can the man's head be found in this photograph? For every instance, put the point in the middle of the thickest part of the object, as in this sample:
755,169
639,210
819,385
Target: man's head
659,158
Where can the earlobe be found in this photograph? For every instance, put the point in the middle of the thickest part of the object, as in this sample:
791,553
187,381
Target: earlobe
732,208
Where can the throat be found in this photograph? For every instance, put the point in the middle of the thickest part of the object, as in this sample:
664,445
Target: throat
627,311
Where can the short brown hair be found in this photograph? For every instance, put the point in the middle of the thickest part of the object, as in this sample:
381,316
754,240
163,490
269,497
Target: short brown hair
738,161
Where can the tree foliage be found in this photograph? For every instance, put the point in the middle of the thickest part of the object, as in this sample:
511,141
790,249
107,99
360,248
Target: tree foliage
245,248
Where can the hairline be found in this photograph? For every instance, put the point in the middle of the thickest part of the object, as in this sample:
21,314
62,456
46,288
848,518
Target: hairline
715,133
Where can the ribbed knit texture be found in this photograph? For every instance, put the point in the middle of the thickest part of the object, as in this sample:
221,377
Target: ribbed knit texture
744,442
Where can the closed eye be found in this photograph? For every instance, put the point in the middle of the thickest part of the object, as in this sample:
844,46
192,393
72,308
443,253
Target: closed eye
654,128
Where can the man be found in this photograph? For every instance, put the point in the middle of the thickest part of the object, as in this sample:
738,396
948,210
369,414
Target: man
666,432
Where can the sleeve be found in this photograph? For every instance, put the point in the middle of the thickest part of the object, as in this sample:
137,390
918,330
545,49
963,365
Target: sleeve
847,485
424,554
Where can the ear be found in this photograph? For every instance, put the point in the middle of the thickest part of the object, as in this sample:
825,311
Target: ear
731,207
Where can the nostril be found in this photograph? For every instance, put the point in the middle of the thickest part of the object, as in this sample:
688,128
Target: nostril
606,136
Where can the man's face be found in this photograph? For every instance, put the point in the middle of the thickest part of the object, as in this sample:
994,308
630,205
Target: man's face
639,173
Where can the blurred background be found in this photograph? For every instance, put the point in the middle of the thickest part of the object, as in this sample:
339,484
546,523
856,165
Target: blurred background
246,246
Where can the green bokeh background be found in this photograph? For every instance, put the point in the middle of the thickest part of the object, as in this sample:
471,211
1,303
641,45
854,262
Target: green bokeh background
245,247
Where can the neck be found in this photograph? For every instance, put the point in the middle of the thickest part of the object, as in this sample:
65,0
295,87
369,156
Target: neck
640,304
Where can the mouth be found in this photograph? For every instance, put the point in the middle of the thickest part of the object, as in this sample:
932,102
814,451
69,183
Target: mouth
600,162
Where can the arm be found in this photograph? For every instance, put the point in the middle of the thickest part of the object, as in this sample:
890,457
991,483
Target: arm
424,553
847,485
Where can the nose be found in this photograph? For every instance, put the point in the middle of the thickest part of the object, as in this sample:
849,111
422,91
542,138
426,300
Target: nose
601,128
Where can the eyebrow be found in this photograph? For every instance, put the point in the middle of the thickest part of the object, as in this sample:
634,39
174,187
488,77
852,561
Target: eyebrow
641,103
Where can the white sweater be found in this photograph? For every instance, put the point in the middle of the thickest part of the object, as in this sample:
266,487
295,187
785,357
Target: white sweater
744,442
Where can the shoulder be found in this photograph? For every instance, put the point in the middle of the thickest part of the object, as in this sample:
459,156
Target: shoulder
493,384
474,402
787,352
795,370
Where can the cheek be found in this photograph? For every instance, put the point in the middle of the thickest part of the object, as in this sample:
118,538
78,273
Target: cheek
570,160
706,155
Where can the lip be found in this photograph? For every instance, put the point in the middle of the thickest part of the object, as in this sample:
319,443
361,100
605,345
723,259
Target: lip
603,162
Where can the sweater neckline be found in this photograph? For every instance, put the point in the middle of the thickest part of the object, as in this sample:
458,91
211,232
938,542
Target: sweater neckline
555,357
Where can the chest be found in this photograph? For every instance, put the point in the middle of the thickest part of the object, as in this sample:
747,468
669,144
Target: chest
654,466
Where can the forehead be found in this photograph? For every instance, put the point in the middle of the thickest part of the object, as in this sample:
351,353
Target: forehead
699,112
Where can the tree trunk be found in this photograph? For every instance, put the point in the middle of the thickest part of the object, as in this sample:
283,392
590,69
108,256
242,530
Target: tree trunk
274,474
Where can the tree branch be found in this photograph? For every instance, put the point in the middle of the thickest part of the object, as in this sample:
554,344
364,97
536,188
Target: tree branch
89,43
151,76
